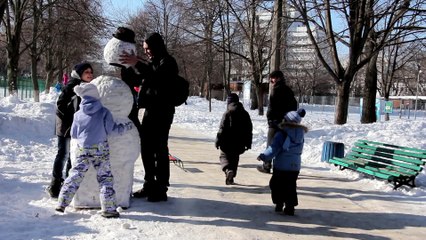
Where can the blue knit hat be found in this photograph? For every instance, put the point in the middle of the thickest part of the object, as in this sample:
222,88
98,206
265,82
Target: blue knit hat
79,68
295,116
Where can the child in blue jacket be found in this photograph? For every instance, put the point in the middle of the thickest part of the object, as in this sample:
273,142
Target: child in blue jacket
285,151
90,128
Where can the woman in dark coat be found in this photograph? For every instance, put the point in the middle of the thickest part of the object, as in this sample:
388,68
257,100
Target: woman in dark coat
66,105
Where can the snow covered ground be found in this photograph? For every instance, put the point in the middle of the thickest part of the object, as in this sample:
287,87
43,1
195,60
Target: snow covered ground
28,147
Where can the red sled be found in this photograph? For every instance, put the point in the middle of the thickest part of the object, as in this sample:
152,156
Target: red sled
176,161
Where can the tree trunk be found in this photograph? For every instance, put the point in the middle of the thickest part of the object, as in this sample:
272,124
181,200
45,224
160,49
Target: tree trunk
34,54
3,5
342,104
12,72
276,36
253,96
370,89
34,78
260,100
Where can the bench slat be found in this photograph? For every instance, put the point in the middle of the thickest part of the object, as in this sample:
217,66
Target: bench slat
389,154
420,151
389,169
371,155
341,162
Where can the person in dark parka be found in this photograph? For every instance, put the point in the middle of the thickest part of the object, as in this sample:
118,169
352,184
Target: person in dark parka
234,137
281,101
66,105
155,95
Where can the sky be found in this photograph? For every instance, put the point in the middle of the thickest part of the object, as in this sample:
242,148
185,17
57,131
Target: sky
120,10
205,206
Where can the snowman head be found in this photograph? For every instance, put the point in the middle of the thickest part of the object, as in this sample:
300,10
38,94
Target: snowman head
123,40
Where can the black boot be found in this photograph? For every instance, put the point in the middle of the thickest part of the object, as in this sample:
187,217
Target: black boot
229,177
289,210
144,192
54,188
158,193
279,207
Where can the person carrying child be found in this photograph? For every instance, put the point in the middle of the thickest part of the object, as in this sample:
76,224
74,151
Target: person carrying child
90,128
285,151
234,137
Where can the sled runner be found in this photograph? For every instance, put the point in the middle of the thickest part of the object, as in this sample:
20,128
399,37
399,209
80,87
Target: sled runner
176,161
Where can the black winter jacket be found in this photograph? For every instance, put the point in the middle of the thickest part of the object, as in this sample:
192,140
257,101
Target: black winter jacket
235,130
66,105
157,85
281,102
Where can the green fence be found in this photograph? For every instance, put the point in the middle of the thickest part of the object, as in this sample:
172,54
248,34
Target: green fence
25,87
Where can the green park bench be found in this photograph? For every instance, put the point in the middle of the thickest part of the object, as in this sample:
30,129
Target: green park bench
396,164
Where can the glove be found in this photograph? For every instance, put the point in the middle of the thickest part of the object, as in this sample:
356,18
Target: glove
261,157
128,126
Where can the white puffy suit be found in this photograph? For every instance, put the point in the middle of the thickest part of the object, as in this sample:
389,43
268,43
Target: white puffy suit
124,149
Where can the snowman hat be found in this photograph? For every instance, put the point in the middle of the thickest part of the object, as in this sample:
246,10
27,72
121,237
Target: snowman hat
124,34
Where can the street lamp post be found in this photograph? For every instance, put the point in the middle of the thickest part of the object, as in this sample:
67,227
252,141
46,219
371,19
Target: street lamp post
417,92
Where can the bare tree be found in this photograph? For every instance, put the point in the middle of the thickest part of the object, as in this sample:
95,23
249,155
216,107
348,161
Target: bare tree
17,13
398,22
253,18
20,14
359,20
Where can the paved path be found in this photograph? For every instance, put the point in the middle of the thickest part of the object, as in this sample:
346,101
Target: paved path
330,207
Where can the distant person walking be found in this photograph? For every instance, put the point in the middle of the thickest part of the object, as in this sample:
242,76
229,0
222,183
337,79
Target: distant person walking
234,137
90,128
66,105
281,101
285,152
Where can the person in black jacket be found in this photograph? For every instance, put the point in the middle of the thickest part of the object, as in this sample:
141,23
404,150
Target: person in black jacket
281,101
234,137
66,105
156,96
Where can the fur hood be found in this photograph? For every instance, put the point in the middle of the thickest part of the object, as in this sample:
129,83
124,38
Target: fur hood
285,124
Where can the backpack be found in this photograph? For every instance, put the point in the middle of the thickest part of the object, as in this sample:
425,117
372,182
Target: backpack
181,91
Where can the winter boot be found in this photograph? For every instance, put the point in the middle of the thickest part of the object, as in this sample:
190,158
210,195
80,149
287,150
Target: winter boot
229,177
289,210
110,214
145,191
279,207
142,193
158,194
54,188
60,209
265,168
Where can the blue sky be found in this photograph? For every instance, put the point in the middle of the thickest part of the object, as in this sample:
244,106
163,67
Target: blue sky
119,10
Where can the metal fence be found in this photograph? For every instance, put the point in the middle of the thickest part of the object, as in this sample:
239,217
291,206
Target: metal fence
25,87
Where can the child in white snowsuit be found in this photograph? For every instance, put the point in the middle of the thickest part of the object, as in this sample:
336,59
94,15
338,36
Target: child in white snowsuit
285,151
91,126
